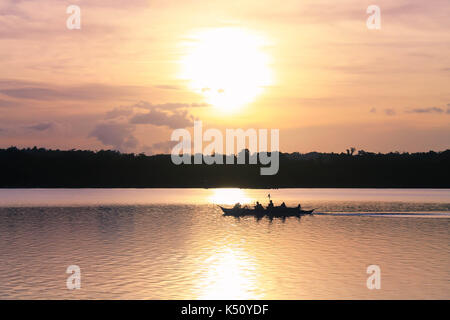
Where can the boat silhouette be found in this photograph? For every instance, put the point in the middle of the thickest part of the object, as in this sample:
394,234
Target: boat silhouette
272,212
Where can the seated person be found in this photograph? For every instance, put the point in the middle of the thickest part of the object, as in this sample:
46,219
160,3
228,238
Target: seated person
258,206
270,206
237,206
283,205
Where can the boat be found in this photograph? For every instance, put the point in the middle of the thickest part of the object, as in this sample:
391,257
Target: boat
275,212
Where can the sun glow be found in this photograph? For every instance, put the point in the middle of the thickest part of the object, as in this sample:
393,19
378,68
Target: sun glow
227,66
229,196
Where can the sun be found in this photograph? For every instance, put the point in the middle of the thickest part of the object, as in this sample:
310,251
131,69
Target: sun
227,66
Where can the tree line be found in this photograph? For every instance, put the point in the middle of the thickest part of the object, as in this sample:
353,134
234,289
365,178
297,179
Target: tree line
43,168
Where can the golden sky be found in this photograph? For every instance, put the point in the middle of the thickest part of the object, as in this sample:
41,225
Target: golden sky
137,70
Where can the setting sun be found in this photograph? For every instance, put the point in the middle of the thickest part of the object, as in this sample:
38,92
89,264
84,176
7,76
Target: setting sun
227,66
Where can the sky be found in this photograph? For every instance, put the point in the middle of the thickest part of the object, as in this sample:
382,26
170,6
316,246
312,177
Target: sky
138,69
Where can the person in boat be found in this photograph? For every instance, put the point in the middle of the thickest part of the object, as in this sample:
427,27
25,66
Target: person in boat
258,206
237,206
270,205
299,207
283,205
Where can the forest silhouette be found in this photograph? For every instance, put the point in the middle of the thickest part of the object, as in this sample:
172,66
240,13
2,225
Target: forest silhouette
42,168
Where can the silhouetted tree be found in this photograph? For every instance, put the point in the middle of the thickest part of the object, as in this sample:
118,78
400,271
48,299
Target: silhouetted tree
38,167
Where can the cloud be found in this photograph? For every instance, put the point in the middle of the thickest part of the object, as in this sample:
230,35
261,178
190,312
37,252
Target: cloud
41,91
373,110
427,110
177,119
28,20
169,110
11,83
172,115
164,147
389,112
8,103
118,135
118,125
320,12
168,106
33,93
122,111
41,126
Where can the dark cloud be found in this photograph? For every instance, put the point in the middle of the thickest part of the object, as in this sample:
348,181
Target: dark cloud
10,8
39,91
427,110
118,135
41,126
164,147
389,112
8,103
176,119
122,111
118,125
11,83
33,93
172,115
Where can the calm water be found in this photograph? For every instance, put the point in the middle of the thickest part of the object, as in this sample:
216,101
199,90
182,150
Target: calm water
175,244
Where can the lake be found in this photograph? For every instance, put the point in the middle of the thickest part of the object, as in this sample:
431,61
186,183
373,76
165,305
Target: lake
175,244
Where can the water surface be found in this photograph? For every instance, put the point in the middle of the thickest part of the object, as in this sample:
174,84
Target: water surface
175,244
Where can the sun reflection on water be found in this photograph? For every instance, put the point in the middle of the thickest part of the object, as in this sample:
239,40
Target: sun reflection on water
229,196
229,274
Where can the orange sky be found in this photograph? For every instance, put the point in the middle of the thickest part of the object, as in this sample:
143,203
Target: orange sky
137,70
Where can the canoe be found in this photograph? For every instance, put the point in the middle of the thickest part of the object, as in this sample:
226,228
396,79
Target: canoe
273,212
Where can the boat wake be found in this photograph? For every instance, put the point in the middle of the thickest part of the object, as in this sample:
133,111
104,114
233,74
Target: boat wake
388,214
